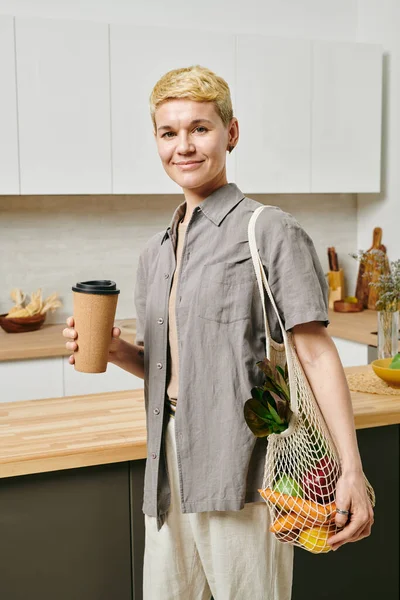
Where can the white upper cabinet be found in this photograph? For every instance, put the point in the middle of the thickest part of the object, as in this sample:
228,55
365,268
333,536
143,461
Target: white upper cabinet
139,57
273,108
75,115
64,106
9,171
346,117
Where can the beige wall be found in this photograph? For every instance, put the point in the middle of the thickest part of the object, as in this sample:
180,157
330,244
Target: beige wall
379,22
51,242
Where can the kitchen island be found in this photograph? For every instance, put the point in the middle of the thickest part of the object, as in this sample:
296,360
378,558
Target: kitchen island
71,490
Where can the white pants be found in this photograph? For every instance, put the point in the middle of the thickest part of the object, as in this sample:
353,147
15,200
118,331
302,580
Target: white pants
230,555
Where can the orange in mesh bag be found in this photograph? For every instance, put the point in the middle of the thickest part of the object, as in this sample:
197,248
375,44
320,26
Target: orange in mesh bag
302,464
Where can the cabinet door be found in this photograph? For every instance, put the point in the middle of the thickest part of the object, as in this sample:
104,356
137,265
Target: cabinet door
273,109
31,379
139,57
352,354
69,532
346,117
114,379
64,106
9,173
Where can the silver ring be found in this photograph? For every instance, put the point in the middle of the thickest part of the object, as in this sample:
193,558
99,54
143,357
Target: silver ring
342,512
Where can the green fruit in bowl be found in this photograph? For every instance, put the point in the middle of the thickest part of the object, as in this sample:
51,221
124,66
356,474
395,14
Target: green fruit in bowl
395,364
287,485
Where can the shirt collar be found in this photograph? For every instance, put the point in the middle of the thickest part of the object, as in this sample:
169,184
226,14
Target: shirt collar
215,206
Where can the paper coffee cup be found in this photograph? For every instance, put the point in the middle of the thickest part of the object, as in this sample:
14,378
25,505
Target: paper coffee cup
95,304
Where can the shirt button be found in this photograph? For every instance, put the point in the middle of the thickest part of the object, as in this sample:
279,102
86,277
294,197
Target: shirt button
160,320
159,365
166,275
156,411
153,455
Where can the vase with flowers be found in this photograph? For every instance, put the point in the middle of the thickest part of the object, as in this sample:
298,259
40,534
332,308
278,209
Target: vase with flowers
387,285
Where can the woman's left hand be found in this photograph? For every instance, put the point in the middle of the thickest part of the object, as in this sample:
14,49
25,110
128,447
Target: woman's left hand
351,494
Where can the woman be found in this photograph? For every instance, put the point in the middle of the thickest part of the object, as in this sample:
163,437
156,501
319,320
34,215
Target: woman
200,331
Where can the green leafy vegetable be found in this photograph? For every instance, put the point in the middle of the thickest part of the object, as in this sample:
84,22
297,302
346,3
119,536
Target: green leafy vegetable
268,410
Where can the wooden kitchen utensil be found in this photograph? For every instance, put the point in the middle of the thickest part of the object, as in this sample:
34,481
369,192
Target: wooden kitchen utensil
336,286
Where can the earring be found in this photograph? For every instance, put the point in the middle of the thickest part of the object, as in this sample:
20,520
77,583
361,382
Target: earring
230,148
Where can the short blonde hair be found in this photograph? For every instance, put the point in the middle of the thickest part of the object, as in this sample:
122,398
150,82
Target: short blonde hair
194,83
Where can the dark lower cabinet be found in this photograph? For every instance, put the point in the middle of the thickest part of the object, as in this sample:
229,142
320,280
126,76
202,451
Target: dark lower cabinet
66,535
79,535
368,569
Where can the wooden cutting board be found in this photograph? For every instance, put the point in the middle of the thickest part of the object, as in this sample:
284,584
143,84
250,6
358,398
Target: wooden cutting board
361,292
370,272
373,295
363,278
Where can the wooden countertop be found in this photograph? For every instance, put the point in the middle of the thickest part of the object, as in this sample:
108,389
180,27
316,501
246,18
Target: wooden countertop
48,341
53,434
355,327
37,436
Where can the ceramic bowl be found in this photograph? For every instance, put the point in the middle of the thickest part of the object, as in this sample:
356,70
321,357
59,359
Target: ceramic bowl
22,324
381,368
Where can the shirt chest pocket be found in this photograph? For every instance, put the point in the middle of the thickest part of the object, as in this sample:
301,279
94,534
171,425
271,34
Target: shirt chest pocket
225,292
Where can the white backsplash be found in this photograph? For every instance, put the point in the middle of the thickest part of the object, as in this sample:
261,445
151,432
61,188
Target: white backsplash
52,242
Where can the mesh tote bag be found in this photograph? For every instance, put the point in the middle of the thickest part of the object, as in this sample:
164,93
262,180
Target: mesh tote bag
302,464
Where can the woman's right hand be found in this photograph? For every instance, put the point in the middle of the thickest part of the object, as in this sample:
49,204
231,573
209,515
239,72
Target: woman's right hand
71,334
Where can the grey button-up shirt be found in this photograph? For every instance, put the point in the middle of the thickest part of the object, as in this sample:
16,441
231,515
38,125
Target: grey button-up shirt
221,336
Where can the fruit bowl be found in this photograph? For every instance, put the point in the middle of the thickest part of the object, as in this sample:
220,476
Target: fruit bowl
22,324
381,368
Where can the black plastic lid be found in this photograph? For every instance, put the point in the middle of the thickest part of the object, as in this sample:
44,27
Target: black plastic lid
98,286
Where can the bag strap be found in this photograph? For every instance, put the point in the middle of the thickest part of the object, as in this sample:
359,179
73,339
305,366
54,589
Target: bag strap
263,281
261,277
